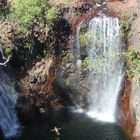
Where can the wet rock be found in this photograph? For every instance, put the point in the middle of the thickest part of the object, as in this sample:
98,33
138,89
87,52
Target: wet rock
64,92
73,95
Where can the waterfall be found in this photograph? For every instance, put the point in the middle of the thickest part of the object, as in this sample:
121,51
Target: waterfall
8,95
78,41
78,54
106,67
2,57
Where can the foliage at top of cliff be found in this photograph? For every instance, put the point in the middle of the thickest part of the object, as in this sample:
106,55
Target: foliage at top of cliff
29,12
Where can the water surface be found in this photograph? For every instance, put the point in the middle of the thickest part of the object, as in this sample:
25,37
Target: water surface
74,126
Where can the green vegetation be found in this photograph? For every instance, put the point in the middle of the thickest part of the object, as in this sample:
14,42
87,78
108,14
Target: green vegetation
28,25
85,37
29,13
126,21
67,57
87,63
132,57
93,64
133,63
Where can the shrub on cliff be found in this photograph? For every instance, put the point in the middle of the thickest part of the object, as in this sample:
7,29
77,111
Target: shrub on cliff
34,19
31,13
126,21
133,64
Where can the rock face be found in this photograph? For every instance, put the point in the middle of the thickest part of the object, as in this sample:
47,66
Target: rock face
135,38
8,30
131,97
135,92
50,82
135,107
39,97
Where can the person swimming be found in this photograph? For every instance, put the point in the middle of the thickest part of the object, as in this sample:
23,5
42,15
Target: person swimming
56,130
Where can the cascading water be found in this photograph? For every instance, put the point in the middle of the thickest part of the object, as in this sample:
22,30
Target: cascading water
2,57
106,70
78,59
78,40
8,95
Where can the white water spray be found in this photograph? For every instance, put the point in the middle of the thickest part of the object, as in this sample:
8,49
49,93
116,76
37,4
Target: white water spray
8,95
106,70
78,41
78,54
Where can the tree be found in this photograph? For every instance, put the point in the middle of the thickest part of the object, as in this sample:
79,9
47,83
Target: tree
30,12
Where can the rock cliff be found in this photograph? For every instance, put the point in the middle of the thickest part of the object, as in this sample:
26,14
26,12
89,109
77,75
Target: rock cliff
49,82
131,97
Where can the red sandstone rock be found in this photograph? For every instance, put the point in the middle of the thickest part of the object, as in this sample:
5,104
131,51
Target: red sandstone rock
130,99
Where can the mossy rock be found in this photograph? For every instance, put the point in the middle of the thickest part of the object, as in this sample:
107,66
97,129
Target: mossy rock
68,57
